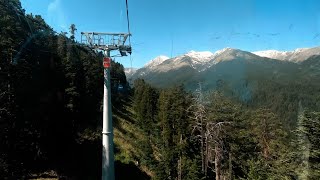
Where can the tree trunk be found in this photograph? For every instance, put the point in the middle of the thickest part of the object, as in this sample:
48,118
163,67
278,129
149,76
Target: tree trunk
217,161
202,150
206,155
180,161
230,165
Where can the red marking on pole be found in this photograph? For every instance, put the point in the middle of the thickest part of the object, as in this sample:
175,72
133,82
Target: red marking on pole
106,62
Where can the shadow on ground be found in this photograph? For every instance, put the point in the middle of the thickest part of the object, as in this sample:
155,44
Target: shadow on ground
129,171
89,165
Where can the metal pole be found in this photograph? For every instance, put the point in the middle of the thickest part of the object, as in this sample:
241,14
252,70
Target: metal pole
107,130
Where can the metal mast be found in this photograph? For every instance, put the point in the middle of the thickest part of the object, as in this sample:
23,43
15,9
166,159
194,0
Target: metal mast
107,42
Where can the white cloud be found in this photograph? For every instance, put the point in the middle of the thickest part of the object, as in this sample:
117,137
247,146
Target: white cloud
53,5
56,16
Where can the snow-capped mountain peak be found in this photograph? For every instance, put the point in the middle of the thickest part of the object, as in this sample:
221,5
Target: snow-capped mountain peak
156,61
272,54
203,55
198,60
130,70
221,51
194,61
296,55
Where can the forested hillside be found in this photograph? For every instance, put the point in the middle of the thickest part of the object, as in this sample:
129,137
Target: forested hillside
50,99
249,120
212,135
256,81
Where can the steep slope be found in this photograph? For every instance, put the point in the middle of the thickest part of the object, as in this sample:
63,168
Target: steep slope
310,68
229,54
280,85
156,61
207,67
189,67
149,67
240,73
179,69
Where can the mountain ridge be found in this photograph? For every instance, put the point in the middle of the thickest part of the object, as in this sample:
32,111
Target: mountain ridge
228,64
199,61
202,60
297,55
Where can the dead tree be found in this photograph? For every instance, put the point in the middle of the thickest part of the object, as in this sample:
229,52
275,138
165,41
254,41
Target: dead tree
210,129
199,115
216,133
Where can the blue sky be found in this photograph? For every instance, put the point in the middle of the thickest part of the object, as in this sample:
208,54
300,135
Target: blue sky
174,27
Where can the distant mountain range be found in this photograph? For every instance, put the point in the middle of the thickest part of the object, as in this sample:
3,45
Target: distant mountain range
130,71
228,63
297,55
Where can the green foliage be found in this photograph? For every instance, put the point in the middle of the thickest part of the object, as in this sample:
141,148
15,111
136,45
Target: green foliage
165,121
50,113
191,169
73,30
307,143
249,143
51,97
145,105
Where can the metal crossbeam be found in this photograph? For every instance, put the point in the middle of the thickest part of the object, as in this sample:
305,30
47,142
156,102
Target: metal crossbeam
103,41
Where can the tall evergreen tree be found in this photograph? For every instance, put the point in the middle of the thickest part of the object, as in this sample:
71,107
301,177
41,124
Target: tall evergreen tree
73,30
308,149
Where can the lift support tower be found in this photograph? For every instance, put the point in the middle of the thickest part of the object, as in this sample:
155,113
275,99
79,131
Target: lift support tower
107,42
